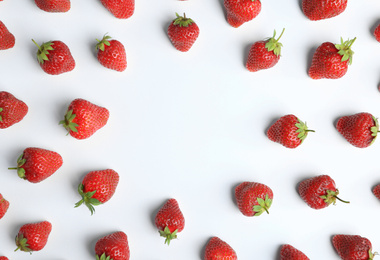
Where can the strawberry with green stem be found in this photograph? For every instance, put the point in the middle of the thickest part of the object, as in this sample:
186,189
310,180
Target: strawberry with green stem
111,54
183,32
112,247
353,247
33,236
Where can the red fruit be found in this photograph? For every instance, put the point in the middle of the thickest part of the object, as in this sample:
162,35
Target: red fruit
241,11
36,164
111,54
288,131
53,6
264,54
33,237
4,205
319,192
7,39
169,220
331,60
376,33
97,187
3,257
288,252
353,247
217,249
360,129
253,198
12,110
323,9
113,246
376,191
183,32
84,118
121,9
55,57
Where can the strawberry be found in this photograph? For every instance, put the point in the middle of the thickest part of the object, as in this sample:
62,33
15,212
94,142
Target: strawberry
53,6
288,131
113,246
353,247
121,9
33,236
264,54
323,9
37,164
55,57
169,220
111,54
4,205
331,60
217,249
97,187
12,110
3,257
319,192
183,32
289,252
376,191
241,11
376,33
7,39
84,118
360,129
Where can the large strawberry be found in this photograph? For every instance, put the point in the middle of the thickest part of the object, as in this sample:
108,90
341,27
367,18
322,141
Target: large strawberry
241,11
288,131
111,54
169,220
37,164
33,236
183,32
54,6
323,9
289,252
97,187
264,54
319,192
217,249
360,129
55,57
4,205
84,118
331,60
12,110
113,246
121,9
353,247
7,39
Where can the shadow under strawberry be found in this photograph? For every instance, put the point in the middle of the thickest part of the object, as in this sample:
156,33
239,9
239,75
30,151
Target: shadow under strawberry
373,27
309,58
202,252
271,122
246,49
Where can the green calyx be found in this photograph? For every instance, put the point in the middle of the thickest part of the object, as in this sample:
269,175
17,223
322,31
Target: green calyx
344,49
68,122
43,50
273,44
103,257
101,43
1,110
182,21
372,255
263,206
374,129
87,199
302,130
168,235
20,171
22,244
331,197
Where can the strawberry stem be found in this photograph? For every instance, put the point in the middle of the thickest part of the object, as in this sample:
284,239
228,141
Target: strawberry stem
344,201
283,30
168,235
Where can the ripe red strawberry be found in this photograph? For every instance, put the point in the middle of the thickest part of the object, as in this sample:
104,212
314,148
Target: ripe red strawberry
111,54
121,9
3,257
288,131
289,252
323,9
36,164
264,54
7,39
54,6
217,249
183,32
376,33
319,192
12,110
360,129
55,57
97,187
241,11
376,191
353,247
4,205
253,198
331,60
33,236
113,246
169,220
84,118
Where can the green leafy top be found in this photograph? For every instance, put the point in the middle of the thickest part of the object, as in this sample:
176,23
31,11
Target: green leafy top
182,21
168,235
103,257
331,197
87,199
68,122
274,44
43,50
371,255
302,130
374,129
344,49
22,243
263,206
104,41
20,162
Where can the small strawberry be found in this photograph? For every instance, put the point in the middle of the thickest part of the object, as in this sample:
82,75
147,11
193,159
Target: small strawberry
331,61
323,9
169,220
319,192
360,129
353,247
111,54
7,39
376,191
97,187
288,131
241,11
12,110
3,257
121,9
113,246
264,54
36,164
217,249
84,118
376,33
183,32
289,252
33,236
4,205
55,57
53,6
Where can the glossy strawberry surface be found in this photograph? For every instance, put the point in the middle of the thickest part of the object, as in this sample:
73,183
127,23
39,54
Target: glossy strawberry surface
33,236
353,247
217,249
260,58
112,55
183,32
253,198
115,246
4,205
323,9
289,252
241,11
12,110
121,9
54,6
7,39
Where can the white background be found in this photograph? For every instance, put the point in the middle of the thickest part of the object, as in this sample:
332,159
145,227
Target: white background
190,126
